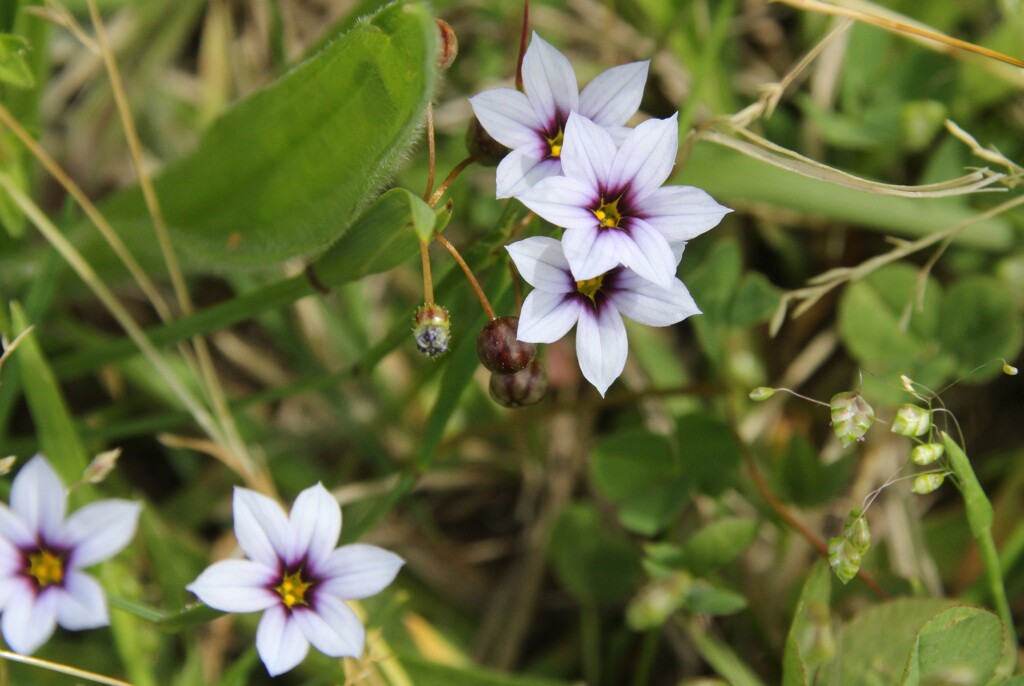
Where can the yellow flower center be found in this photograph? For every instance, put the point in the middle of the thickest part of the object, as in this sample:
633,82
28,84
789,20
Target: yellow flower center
46,568
292,589
555,144
590,287
608,213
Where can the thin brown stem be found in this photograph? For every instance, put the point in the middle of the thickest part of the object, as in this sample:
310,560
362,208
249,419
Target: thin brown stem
459,168
428,281
523,40
431,152
484,302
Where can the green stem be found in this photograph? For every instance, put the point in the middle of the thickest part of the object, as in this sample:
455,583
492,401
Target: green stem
590,630
979,519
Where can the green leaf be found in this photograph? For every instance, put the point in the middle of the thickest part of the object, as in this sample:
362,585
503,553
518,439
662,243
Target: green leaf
593,563
14,66
979,325
709,451
717,544
636,470
810,641
754,301
804,480
423,218
711,600
286,171
958,645
54,426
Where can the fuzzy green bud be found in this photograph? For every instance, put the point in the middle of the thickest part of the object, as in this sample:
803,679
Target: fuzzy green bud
761,393
431,329
927,453
851,417
926,483
911,420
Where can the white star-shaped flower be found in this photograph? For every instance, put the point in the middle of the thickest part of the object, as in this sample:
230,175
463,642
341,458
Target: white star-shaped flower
532,125
297,577
613,206
42,555
595,306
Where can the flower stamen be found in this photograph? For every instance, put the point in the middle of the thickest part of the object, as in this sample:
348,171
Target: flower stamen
292,589
590,287
608,213
555,144
46,568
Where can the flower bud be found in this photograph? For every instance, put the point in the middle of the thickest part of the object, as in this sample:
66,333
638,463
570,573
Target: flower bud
851,417
498,348
927,453
926,483
448,49
431,330
912,420
761,393
485,150
1009,369
525,387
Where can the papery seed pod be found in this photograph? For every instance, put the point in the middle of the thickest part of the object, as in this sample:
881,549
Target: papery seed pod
101,466
926,483
485,150
525,387
761,393
844,558
851,417
927,453
498,348
448,49
431,329
7,463
911,420
857,531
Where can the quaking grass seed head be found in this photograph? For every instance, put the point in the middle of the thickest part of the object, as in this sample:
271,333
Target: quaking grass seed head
431,329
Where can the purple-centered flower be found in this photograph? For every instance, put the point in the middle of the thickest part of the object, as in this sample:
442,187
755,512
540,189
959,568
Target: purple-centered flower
533,124
613,206
42,555
297,577
594,305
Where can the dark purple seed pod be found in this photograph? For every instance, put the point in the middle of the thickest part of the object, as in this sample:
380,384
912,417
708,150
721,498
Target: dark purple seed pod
431,329
526,387
485,150
498,348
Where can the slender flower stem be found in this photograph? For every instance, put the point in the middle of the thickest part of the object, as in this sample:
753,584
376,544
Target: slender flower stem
459,168
523,40
484,302
428,281
62,669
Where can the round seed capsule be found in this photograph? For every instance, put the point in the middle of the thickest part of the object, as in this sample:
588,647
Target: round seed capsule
525,387
498,348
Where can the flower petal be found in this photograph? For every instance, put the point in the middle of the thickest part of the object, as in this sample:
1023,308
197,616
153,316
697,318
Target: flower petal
646,252
98,531
522,168
547,317
279,641
236,586
680,212
563,201
358,571
260,527
507,115
12,586
542,264
646,157
549,81
28,621
81,603
332,628
38,497
614,95
648,303
14,530
314,526
587,151
591,252
601,346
